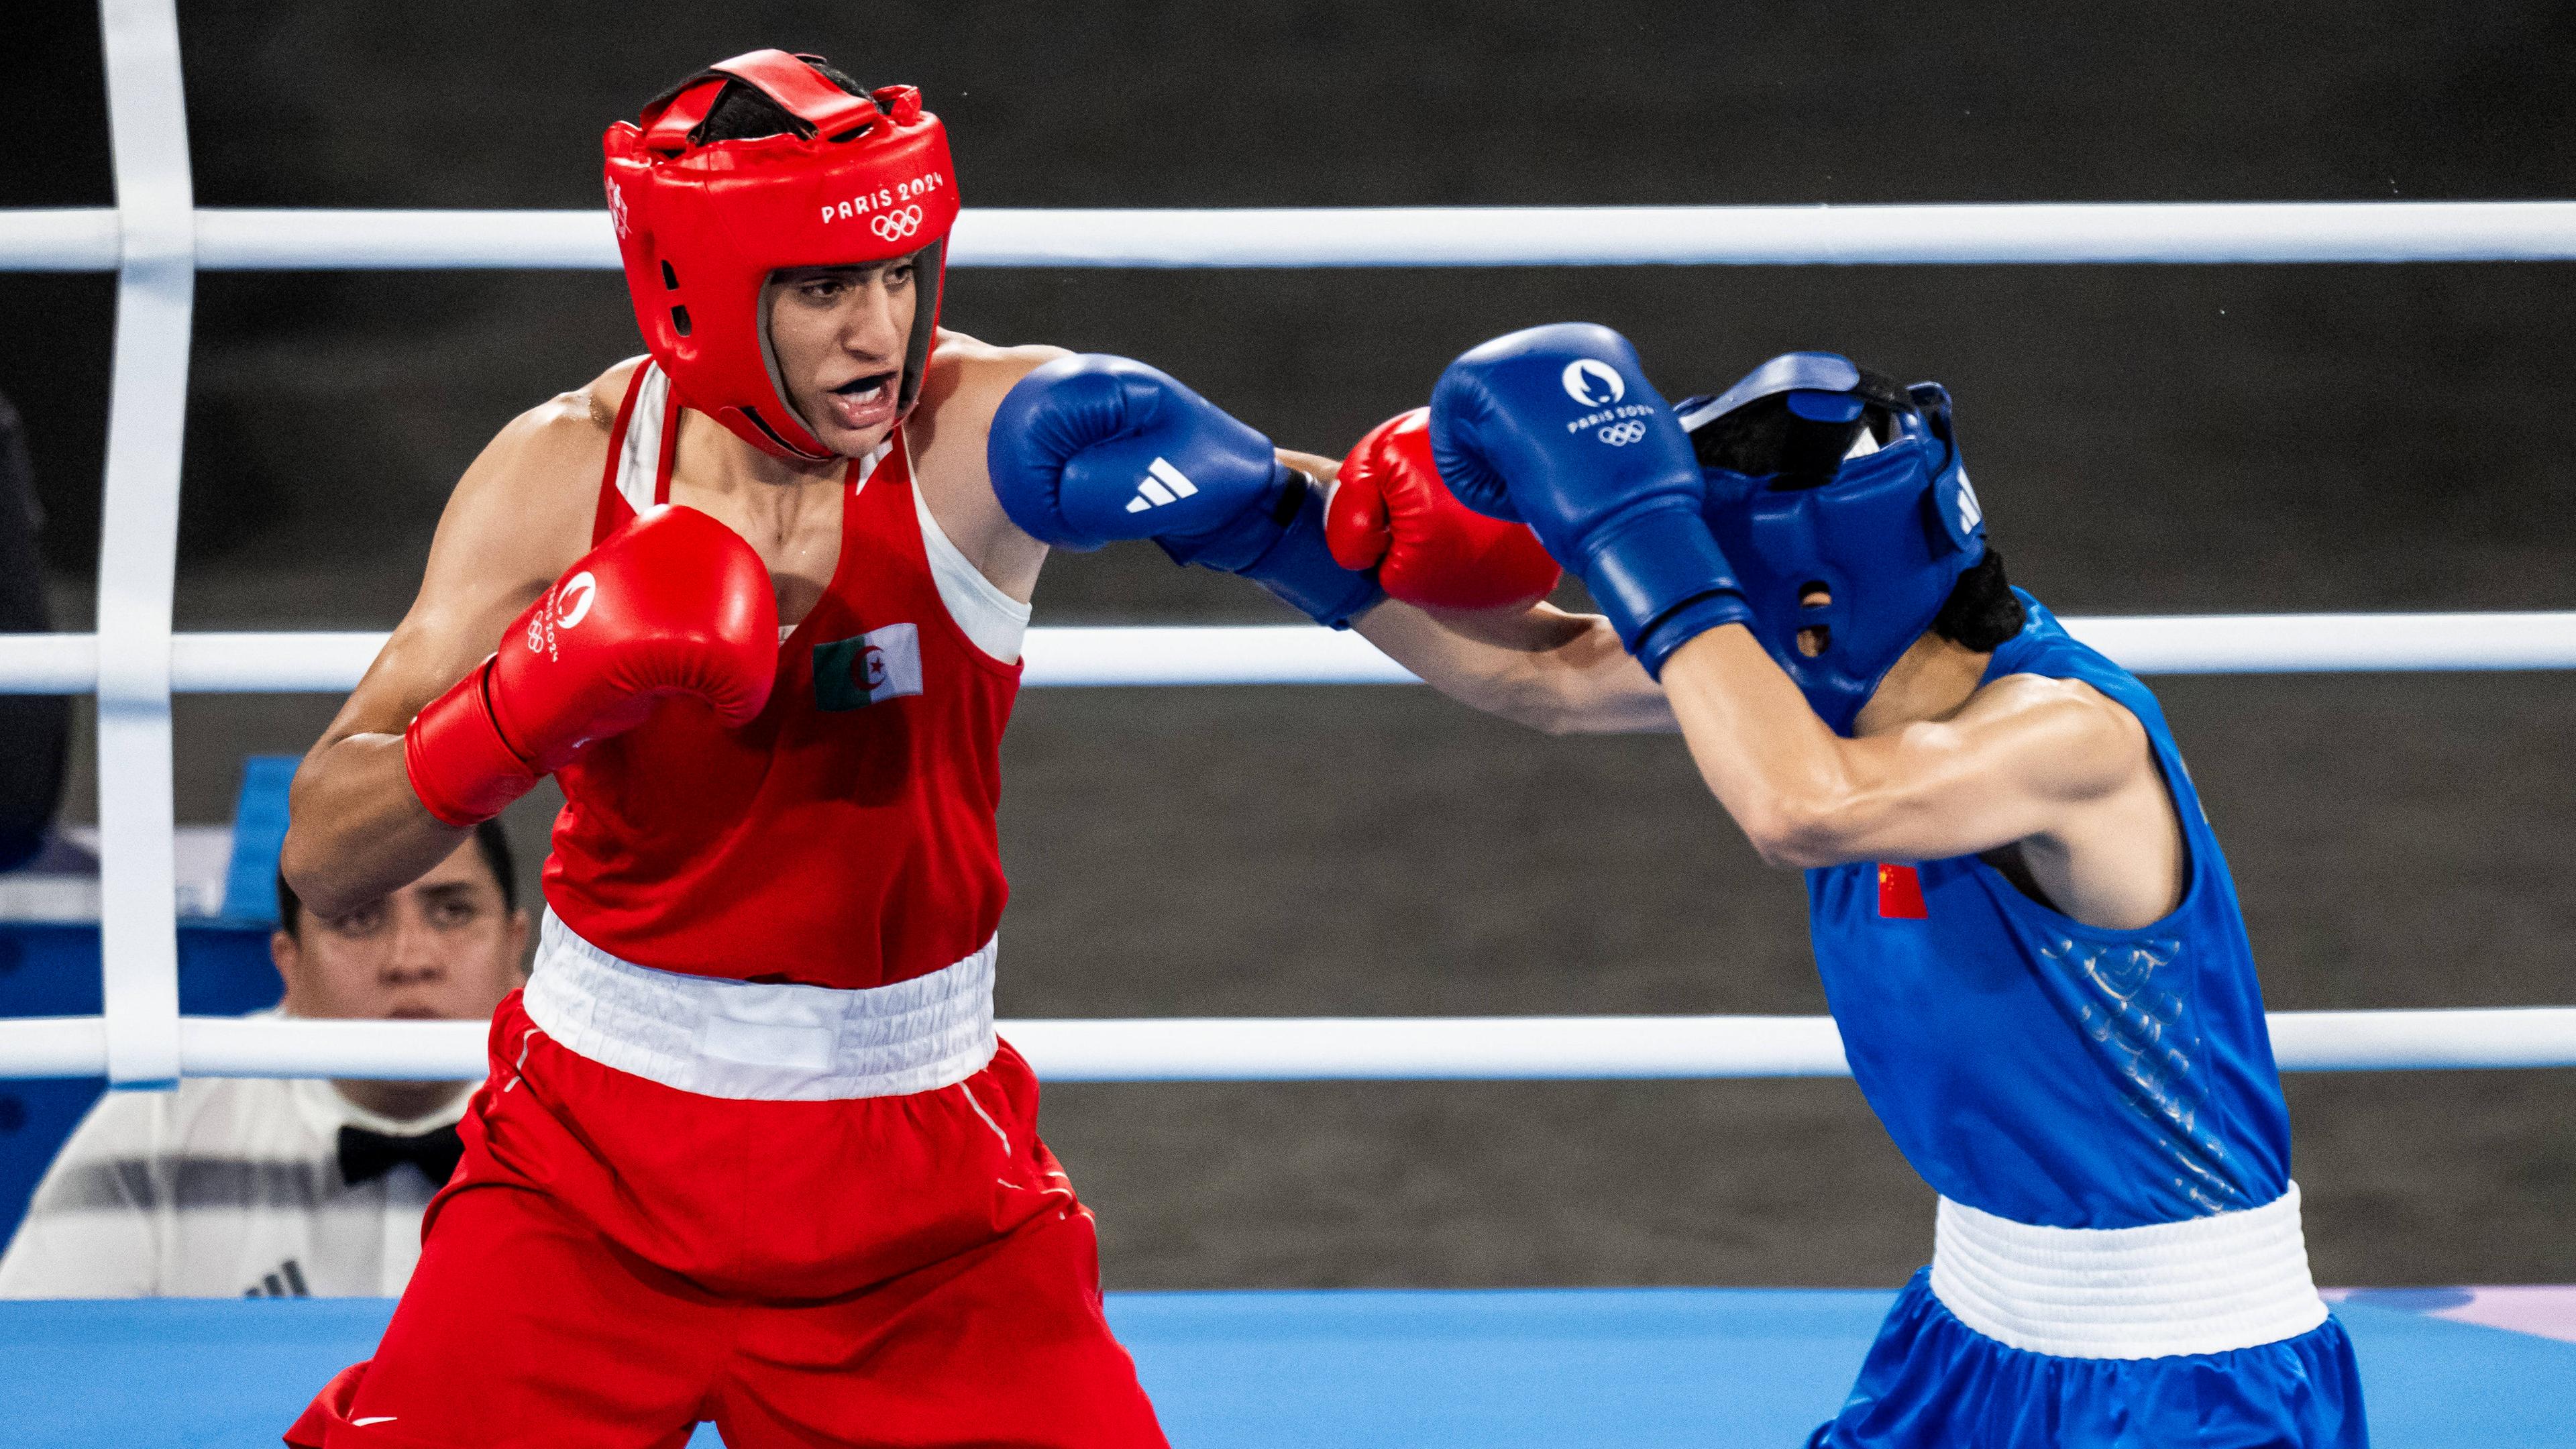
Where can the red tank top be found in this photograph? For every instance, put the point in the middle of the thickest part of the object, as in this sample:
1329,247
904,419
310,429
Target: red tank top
846,836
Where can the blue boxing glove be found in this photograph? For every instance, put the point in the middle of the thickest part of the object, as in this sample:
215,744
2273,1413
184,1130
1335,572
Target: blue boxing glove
1558,428
1089,449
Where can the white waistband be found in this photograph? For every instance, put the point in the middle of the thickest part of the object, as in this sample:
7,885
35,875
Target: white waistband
777,1042
2207,1285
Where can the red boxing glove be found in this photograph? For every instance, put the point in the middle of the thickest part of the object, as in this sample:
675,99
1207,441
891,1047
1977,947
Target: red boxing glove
1391,510
673,603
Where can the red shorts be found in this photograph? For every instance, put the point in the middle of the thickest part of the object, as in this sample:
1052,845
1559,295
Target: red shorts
616,1260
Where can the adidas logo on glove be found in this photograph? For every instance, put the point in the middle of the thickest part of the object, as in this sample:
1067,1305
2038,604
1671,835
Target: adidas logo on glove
1163,484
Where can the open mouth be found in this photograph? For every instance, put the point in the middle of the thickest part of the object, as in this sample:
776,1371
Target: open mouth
864,401
866,389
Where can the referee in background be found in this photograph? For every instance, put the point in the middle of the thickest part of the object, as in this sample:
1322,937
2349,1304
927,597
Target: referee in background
278,1188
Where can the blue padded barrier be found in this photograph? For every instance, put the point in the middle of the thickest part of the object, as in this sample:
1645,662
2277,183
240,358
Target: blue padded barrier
259,833
1559,1368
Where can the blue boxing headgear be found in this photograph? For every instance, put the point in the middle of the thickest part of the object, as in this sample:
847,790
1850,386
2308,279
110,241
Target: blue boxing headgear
1820,473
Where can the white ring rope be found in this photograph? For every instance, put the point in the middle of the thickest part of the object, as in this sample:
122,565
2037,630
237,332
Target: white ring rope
1293,1049
330,663
158,241
84,239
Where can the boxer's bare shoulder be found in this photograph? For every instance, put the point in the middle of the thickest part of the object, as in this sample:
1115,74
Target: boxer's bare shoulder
947,431
516,520
523,510
973,374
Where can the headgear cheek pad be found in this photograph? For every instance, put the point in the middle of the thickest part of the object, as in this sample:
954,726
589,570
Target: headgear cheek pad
703,224
1886,533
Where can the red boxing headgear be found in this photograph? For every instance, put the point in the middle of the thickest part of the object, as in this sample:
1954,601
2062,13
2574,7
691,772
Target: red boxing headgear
703,224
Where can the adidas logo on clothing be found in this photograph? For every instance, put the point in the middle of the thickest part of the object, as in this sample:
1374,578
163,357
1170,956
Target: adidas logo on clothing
272,1285
1163,484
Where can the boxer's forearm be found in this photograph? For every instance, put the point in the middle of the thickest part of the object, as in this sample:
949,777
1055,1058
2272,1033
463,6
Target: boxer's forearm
356,826
1314,465
1595,687
1763,753
1555,672
358,830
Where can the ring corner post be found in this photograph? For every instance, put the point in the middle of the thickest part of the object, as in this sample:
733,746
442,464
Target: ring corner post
139,537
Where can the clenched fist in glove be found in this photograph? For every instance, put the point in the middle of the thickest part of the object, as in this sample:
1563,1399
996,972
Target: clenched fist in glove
674,603
1558,427
1391,512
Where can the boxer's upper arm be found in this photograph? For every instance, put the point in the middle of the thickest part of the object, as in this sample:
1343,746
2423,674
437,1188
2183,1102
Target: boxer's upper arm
948,433
516,520
2018,761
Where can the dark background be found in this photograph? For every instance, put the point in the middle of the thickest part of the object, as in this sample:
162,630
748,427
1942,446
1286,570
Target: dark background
2187,439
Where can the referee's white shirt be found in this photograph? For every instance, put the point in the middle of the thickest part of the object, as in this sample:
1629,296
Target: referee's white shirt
221,1189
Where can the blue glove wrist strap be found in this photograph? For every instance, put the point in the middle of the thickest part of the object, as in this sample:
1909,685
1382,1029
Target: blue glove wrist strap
1281,546
1663,581
1299,568
1682,625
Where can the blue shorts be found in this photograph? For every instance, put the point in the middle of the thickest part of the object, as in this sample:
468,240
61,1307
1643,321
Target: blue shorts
1931,1380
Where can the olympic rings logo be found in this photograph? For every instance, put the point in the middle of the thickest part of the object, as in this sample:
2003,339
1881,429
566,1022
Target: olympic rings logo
1620,435
890,225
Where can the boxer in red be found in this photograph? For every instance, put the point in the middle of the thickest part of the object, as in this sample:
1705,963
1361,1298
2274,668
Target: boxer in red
750,1150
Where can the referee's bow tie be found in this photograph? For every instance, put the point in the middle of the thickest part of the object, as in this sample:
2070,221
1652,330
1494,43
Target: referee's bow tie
366,1156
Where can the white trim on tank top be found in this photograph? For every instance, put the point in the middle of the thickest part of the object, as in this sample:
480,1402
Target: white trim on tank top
639,457
992,620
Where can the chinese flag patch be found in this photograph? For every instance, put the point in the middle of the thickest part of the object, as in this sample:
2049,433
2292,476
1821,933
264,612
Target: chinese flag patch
1900,893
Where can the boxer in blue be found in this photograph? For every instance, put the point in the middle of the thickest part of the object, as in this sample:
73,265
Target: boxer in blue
2025,926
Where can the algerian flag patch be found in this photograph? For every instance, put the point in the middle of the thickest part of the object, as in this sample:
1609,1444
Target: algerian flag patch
880,664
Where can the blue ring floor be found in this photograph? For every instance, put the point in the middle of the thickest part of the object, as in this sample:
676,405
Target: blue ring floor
1633,1368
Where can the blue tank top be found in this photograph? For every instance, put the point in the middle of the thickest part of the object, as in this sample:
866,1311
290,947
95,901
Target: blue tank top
2041,1069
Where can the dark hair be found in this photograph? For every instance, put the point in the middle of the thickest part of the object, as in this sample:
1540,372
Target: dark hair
490,842
1982,610
742,113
